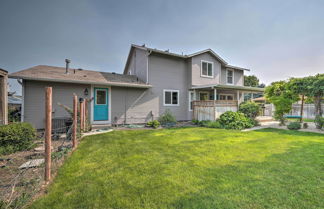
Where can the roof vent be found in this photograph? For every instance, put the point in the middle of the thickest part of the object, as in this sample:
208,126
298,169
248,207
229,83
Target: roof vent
67,62
143,45
167,50
113,73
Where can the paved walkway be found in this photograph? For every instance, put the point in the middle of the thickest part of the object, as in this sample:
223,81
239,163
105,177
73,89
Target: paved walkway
275,124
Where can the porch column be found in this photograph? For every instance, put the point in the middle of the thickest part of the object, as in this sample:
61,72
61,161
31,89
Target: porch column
238,97
215,94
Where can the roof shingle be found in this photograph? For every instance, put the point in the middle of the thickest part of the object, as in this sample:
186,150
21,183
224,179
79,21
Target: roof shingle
57,74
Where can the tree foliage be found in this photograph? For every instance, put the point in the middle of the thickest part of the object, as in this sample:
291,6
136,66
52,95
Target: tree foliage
251,80
282,97
312,87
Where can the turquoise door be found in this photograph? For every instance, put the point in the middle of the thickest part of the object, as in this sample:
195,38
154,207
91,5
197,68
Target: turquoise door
100,110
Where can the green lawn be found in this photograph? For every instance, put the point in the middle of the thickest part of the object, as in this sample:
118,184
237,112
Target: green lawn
192,168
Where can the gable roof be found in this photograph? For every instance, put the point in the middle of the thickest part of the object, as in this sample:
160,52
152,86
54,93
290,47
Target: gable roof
57,74
167,52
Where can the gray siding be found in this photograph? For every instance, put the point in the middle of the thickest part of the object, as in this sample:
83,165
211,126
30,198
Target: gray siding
169,73
132,105
34,100
196,78
138,64
238,77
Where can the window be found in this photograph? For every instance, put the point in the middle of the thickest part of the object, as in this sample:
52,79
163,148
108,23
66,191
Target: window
101,97
226,97
171,97
191,98
207,69
230,77
203,96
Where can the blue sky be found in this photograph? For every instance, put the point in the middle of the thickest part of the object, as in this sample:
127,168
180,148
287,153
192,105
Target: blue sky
275,39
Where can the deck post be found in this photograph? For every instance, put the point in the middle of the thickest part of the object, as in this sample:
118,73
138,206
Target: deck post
48,132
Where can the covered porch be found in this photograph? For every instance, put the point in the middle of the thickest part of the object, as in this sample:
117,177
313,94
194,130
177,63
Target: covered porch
209,102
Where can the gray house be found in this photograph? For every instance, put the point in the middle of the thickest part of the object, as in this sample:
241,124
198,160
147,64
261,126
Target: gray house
153,81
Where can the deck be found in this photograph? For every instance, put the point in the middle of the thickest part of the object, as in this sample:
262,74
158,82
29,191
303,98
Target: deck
212,109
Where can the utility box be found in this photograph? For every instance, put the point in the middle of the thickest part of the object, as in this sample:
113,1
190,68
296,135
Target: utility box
3,97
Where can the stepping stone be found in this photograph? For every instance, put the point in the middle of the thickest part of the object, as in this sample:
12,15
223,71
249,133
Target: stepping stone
32,163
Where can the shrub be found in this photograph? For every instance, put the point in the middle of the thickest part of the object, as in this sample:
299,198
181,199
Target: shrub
153,123
167,118
204,123
214,124
249,109
16,137
305,125
319,122
196,122
294,126
235,120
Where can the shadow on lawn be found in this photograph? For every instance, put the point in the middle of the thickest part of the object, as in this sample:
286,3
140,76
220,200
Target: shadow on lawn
286,180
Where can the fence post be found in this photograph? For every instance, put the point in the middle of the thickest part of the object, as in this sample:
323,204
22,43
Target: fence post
48,132
75,121
86,114
81,114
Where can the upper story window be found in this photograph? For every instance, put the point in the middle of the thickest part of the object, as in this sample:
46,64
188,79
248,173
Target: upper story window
171,97
207,69
230,76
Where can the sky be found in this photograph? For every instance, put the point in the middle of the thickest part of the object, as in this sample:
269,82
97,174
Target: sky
275,39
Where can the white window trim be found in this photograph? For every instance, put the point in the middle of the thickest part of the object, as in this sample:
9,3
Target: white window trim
227,76
97,96
208,95
201,69
171,90
190,99
226,96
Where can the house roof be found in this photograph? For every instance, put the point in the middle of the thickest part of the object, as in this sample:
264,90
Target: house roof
167,52
57,74
223,86
14,99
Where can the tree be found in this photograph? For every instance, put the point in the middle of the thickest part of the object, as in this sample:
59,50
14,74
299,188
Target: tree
316,90
300,87
282,97
251,80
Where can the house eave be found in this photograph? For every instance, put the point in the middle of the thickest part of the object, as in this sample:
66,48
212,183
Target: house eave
234,87
131,85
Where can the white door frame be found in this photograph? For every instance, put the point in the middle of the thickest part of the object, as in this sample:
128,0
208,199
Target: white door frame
92,105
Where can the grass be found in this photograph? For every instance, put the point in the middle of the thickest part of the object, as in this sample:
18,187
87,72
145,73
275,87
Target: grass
192,168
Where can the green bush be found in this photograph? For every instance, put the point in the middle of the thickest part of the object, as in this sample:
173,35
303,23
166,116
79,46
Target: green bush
294,126
196,122
167,118
16,137
305,125
249,109
214,124
235,120
153,123
319,122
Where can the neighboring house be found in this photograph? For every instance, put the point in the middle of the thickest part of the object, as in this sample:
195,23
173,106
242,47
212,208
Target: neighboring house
153,81
14,101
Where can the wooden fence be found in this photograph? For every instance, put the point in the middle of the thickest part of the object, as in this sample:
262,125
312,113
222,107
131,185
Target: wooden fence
212,109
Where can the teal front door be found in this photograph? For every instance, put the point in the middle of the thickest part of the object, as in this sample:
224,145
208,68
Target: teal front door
100,110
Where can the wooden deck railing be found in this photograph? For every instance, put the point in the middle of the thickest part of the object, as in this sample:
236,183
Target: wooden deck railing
214,103
212,109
